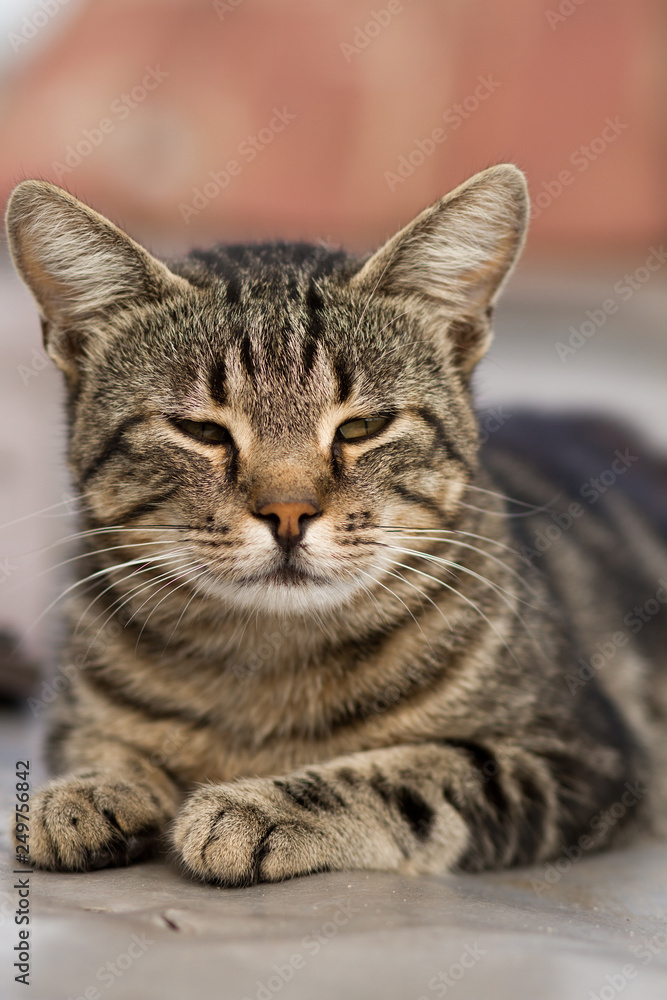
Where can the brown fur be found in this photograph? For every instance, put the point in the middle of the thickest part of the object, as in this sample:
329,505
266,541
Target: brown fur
390,688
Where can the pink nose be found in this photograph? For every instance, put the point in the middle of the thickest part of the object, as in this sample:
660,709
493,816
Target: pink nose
289,516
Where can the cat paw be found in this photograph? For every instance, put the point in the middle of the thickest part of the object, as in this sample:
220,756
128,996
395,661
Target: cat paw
84,822
257,830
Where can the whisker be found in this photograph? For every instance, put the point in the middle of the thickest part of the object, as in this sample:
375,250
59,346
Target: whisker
180,619
366,589
474,548
38,513
472,604
423,594
501,591
519,503
394,595
450,564
532,508
453,531
243,625
493,513
116,607
76,536
84,555
163,558
169,593
86,579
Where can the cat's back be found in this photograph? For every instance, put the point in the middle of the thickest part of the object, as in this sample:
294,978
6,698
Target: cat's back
588,513
593,460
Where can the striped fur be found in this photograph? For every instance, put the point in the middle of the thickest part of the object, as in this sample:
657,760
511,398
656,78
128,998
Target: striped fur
394,684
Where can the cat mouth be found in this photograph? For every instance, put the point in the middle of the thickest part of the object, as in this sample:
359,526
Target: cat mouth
285,576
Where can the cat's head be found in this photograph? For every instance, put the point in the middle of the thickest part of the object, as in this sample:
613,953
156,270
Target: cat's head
266,414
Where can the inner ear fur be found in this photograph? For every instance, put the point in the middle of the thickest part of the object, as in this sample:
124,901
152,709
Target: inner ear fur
454,258
78,265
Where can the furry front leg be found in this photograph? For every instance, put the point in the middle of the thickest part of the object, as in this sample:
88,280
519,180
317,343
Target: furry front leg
418,809
357,812
109,812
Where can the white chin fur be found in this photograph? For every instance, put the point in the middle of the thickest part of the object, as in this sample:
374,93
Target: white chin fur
299,600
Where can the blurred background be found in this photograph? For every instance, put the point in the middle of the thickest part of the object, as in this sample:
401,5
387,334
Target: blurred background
195,121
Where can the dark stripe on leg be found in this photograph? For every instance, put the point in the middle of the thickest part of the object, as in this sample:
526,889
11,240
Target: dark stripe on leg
381,786
311,792
410,805
212,837
486,810
489,771
261,851
531,825
415,810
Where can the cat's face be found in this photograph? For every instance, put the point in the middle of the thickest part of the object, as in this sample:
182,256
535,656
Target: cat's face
285,435
256,420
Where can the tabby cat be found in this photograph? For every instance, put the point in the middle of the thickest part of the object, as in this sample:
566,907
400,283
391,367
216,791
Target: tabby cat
312,628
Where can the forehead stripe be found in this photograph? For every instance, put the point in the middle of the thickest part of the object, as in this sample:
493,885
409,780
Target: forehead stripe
247,359
217,382
314,305
344,377
233,291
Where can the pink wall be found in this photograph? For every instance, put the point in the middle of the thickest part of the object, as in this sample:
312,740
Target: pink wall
364,100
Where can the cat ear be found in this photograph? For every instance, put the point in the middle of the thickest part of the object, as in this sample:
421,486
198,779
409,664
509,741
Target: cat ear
78,265
454,258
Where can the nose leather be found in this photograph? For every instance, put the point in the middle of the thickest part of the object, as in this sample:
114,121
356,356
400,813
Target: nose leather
289,515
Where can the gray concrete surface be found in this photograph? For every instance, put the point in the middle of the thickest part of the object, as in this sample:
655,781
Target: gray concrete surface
563,932
583,929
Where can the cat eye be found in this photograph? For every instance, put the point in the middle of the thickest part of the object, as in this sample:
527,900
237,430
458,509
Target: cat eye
355,430
206,431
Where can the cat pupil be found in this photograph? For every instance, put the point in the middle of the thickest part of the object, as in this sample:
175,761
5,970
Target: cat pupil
205,431
364,427
211,433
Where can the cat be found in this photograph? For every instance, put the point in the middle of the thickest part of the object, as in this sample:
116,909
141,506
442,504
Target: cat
312,628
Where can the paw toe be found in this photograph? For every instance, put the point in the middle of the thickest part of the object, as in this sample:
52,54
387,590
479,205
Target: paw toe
79,825
243,833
